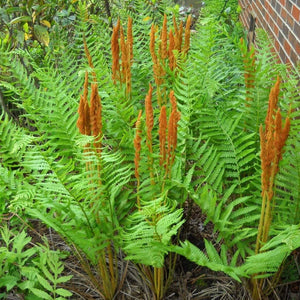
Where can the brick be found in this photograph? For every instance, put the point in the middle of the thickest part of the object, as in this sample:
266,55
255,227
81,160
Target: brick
278,8
279,22
289,6
267,6
282,55
282,2
297,29
297,48
287,48
290,21
281,38
296,13
292,39
273,3
285,29
276,29
284,14
277,45
294,57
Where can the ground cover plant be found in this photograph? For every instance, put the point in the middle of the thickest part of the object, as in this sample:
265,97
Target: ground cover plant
116,132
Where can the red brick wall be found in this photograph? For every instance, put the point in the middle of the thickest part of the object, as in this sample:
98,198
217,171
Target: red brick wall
281,19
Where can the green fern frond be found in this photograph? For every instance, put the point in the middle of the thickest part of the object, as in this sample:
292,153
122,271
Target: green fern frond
212,260
278,248
149,231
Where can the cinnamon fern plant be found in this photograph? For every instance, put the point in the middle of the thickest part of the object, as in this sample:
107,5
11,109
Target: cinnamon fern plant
121,128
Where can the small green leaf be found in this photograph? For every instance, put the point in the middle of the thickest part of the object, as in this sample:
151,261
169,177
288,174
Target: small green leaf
21,19
41,294
64,279
41,34
45,283
8,281
63,292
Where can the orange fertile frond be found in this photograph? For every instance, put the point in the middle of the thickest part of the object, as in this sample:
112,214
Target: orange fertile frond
281,134
164,39
137,145
87,117
272,140
124,54
87,53
171,48
178,38
130,39
175,26
115,52
172,129
81,120
149,117
173,101
96,112
162,134
187,34
273,100
85,86
152,43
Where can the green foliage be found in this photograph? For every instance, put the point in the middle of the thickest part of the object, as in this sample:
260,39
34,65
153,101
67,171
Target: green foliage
223,149
49,171
148,236
26,268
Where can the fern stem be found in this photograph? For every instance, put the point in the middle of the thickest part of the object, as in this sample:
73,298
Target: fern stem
261,223
112,269
158,282
137,147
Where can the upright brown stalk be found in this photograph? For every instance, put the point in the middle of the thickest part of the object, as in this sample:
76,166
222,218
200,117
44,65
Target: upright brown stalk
172,63
175,26
83,122
149,125
187,34
124,57
137,146
115,53
162,135
178,37
89,58
149,117
164,40
272,141
152,43
81,119
250,69
96,116
130,39
158,69
87,53
123,73
172,132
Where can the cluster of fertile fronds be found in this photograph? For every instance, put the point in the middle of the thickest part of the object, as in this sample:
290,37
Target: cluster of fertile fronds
167,131
168,43
90,120
272,140
167,135
122,54
90,115
172,133
137,147
250,68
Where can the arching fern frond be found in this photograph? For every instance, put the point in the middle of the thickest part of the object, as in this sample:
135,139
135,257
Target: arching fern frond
149,232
